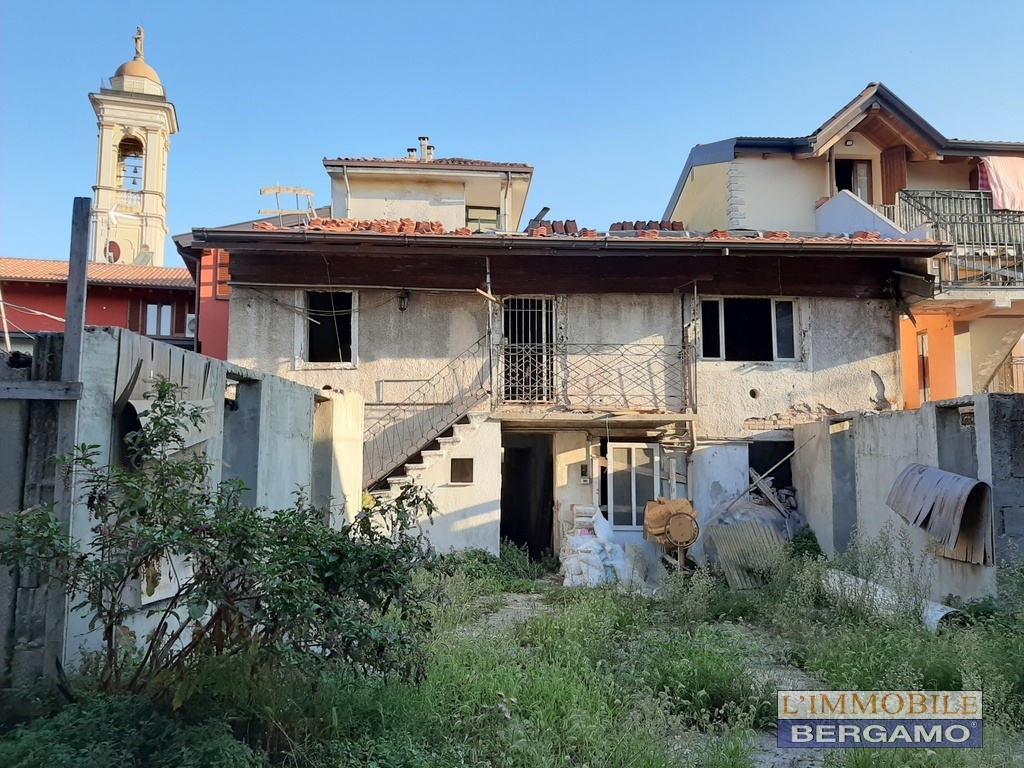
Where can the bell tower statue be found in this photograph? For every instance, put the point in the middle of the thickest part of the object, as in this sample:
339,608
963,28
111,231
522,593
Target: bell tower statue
135,122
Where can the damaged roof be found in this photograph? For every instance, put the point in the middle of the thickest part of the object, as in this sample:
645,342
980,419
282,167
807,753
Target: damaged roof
131,275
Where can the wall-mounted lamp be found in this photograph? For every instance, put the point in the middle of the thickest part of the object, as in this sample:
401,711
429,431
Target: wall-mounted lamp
403,301
849,142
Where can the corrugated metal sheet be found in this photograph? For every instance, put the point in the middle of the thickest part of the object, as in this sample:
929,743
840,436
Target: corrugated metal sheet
746,551
952,509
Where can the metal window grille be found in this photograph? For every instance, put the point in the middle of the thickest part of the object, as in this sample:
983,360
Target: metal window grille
528,331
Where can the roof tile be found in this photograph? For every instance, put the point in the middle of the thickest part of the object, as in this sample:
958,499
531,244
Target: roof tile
45,270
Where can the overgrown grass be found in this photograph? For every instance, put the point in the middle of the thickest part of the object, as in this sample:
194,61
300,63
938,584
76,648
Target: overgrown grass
594,677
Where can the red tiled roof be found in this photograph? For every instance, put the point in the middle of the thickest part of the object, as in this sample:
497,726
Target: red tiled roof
45,270
445,161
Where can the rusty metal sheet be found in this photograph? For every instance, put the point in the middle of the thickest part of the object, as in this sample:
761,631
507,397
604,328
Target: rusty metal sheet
937,501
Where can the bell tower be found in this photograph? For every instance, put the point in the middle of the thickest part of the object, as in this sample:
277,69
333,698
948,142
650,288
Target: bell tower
135,121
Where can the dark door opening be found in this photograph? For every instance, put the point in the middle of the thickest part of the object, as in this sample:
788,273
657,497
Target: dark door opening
527,492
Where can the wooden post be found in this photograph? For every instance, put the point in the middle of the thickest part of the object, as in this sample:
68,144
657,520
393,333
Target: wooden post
78,267
65,490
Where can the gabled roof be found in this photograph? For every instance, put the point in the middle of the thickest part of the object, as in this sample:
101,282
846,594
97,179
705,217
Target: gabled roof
128,275
878,113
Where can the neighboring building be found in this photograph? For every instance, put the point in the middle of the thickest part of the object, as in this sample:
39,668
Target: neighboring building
521,373
135,121
156,301
878,166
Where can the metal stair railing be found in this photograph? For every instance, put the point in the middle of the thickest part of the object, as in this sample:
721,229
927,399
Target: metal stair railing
405,428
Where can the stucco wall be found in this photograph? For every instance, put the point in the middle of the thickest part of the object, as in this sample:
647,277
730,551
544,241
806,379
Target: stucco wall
704,202
883,445
941,358
936,175
848,348
777,192
469,515
396,351
847,213
395,197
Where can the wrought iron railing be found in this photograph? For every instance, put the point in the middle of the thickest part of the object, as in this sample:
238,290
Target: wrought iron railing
1009,377
988,245
404,429
655,376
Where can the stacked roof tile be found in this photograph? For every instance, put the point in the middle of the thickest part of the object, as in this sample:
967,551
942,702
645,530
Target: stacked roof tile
643,226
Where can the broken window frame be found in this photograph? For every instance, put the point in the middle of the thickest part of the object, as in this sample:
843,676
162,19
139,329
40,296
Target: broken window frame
302,363
637,515
776,358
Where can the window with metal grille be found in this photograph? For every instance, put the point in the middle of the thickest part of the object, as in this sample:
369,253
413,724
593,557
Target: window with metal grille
528,331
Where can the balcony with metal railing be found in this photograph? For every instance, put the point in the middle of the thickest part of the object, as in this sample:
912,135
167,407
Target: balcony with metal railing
578,375
988,245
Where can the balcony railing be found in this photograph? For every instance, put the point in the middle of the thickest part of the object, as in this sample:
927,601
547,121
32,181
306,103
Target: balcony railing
988,245
129,200
633,376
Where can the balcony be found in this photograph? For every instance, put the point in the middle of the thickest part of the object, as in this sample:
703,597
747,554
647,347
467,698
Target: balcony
585,376
988,245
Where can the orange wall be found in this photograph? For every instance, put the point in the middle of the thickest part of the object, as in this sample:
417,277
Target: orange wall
941,362
213,312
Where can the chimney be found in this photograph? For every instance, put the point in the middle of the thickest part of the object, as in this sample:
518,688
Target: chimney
423,147
430,152
411,153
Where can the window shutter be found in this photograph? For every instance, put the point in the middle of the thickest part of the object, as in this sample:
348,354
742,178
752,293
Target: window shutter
223,290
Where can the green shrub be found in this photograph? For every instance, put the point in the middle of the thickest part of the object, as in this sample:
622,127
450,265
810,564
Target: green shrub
271,586
104,731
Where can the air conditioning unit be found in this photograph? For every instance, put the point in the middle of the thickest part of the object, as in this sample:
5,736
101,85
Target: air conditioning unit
191,325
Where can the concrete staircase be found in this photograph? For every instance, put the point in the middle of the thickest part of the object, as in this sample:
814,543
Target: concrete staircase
413,471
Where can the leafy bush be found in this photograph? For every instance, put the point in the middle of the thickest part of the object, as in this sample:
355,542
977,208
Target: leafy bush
103,731
510,571
267,586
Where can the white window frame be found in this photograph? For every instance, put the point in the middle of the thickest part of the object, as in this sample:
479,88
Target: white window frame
775,338
656,448
302,332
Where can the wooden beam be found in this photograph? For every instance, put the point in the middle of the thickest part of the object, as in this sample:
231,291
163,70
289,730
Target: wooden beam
74,314
40,390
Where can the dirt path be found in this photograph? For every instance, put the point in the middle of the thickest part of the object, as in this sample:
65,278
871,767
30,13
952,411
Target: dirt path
770,665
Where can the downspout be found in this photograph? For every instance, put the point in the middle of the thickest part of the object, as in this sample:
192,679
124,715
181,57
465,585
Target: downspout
490,334
508,191
348,192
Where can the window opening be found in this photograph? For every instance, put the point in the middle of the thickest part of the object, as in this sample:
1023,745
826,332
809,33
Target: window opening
528,331
854,176
482,219
924,387
129,163
158,319
462,471
329,326
634,477
750,330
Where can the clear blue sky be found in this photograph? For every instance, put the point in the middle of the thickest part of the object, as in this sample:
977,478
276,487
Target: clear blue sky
603,99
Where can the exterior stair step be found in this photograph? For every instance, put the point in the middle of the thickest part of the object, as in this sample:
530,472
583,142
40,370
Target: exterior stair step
453,440
399,480
429,456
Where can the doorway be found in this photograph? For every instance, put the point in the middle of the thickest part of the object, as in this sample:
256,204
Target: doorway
527,492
